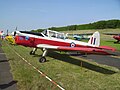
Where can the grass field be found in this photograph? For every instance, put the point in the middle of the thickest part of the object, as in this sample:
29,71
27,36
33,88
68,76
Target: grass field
64,69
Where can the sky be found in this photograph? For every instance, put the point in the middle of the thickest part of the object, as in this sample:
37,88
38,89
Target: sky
35,14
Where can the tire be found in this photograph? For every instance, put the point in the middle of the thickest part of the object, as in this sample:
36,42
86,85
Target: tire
42,59
31,52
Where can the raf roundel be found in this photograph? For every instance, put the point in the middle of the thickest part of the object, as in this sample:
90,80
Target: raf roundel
21,38
72,44
27,38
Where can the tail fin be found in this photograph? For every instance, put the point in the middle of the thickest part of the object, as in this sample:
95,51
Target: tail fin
95,39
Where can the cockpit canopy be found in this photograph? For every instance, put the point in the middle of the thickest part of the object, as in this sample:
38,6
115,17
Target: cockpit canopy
55,34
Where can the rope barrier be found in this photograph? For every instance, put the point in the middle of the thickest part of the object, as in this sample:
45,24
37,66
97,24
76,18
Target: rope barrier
48,78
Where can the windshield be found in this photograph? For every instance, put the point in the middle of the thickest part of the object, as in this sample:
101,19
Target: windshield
45,32
56,34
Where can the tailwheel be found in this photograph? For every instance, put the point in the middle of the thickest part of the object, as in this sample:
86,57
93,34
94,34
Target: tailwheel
42,59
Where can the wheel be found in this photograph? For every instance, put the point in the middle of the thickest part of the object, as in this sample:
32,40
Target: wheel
42,59
116,42
32,53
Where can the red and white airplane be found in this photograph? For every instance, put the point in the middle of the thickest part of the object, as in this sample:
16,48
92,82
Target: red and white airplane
116,36
54,40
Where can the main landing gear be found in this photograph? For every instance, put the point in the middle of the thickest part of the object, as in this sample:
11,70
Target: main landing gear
42,59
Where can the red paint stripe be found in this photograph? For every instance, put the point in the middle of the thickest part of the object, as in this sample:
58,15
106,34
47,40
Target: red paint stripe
91,40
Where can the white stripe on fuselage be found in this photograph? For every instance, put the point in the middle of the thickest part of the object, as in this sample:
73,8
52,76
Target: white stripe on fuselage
56,39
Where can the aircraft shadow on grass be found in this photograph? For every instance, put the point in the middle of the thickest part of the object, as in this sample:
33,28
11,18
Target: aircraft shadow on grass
3,61
5,86
68,59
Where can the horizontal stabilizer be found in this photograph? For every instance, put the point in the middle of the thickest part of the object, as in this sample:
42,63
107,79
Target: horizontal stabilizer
107,48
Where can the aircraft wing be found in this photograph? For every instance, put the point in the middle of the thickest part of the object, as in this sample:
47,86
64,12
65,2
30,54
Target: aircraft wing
47,46
89,50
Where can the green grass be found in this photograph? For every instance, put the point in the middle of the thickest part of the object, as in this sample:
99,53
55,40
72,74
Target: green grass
64,69
111,43
91,31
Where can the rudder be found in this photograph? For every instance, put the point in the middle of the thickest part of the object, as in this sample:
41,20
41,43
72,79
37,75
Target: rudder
95,39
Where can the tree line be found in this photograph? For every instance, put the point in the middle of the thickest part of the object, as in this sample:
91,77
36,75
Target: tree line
103,24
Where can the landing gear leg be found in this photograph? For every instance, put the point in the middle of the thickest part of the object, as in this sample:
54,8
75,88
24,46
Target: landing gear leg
43,59
117,41
33,51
